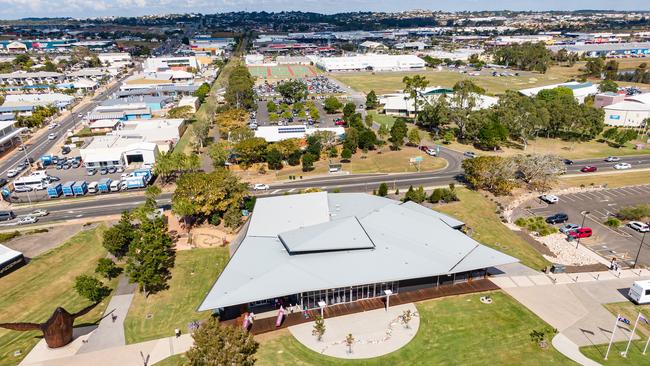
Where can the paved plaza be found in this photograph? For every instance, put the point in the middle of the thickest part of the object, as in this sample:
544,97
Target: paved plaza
376,333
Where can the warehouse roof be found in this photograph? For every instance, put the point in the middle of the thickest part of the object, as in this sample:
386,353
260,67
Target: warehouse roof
317,241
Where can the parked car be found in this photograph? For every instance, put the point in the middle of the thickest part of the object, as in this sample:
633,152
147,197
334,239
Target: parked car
568,228
38,213
621,166
103,171
612,159
339,122
120,169
469,154
59,166
53,178
27,220
75,164
65,150
112,170
558,218
260,187
549,198
639,226
66,166
12,173
588,169
3,182
92,172
20,189
51,136
583,232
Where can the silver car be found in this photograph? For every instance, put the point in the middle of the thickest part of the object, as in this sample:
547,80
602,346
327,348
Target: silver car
566,229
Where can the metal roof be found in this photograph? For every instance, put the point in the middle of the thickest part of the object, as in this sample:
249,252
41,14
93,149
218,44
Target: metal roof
340,240
7,254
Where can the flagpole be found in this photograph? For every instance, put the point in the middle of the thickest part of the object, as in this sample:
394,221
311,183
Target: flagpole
611,339
631,335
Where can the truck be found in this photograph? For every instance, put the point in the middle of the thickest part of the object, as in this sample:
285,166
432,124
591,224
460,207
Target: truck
47,159
143,173
54,190
640,292
80,188
104,185
67,189
134,182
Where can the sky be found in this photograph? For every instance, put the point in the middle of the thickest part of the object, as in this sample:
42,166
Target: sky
12,9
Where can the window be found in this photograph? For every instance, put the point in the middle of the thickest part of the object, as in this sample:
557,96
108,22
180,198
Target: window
647,292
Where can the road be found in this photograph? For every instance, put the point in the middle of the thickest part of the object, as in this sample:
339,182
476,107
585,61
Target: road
637,162
97,206
40,145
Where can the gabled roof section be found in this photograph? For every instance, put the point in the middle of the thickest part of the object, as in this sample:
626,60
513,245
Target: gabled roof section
343,234
280,214
452,222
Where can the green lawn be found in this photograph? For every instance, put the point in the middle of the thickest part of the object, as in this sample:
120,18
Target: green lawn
31,293
456,330
612,179
193,274
635,355
177,360
382,119
479,214
389,82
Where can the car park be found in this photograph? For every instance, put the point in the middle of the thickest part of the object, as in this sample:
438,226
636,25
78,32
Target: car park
549,198
27,220
260,187
588,169
612,159
621,166
639,226
558,218
568,228
583,232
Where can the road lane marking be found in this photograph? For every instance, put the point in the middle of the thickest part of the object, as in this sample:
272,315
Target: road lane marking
291,190
275,191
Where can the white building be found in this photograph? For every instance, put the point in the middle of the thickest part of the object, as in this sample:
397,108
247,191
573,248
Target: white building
106,151
153,64
461,54
9,134
371,62
400,104
278,133
58,100
580,90
190,101
162,132
631,112
115,58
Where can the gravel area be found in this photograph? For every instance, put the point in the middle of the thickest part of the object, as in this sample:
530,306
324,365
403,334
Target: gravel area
566,253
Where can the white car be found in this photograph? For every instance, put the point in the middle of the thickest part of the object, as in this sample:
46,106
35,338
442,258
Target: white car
12,173
27,220
639,226
611,159
51,136
260,187
623,166
549,198
52,126
38,213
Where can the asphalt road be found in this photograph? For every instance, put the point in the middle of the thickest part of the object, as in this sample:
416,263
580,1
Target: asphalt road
637,162
40,145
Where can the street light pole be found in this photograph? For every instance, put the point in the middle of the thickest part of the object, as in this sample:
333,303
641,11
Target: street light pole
584,216
639,251
29,196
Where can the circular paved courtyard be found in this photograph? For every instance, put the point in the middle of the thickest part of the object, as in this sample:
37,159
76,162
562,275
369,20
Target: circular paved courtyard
376,333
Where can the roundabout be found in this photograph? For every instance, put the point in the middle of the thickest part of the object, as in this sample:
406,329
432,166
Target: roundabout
375,333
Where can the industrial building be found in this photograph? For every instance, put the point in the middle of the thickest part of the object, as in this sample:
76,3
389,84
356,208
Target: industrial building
321,249
107,151
580,90
606,49
370,62
633,111
279,133
9,134
163,132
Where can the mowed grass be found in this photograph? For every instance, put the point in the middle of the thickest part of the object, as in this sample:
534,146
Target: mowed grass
383,119
457,330
478,213
564,149
635,354
176,360
193,274
612,179
379,161
32,293
389,82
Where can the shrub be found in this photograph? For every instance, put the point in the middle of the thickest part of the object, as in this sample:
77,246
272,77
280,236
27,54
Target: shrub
536,224
383,190
521,222
8,236
443,195
215,219
612,222
637,212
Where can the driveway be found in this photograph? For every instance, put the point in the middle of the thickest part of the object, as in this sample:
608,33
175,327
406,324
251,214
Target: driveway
621,243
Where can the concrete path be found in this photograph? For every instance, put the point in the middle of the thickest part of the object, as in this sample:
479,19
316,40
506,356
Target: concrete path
110,332
375,332
565,346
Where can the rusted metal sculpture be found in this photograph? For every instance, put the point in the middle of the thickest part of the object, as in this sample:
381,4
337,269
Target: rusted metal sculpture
57,330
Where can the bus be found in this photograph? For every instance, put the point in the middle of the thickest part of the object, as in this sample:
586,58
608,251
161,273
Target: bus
37,180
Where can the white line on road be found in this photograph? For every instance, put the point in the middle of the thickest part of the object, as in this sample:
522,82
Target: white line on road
275,191
291,190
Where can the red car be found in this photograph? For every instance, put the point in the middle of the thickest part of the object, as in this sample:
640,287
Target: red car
339,122
583,232
588,169
424,148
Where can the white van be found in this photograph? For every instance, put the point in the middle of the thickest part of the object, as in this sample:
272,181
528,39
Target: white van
115,186
92,187
640,292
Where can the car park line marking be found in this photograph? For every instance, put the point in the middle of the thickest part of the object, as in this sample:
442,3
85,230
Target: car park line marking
275,191
637,189
568,198
291,190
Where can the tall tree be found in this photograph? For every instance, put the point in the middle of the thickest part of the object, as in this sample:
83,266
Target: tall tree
292,90
118,238
239,90
372,101
91,288
398,133
414,87
462,102
202,194
523,116
216,344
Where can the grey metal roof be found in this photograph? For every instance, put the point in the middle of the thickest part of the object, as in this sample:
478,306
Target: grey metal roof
7,254
408,242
